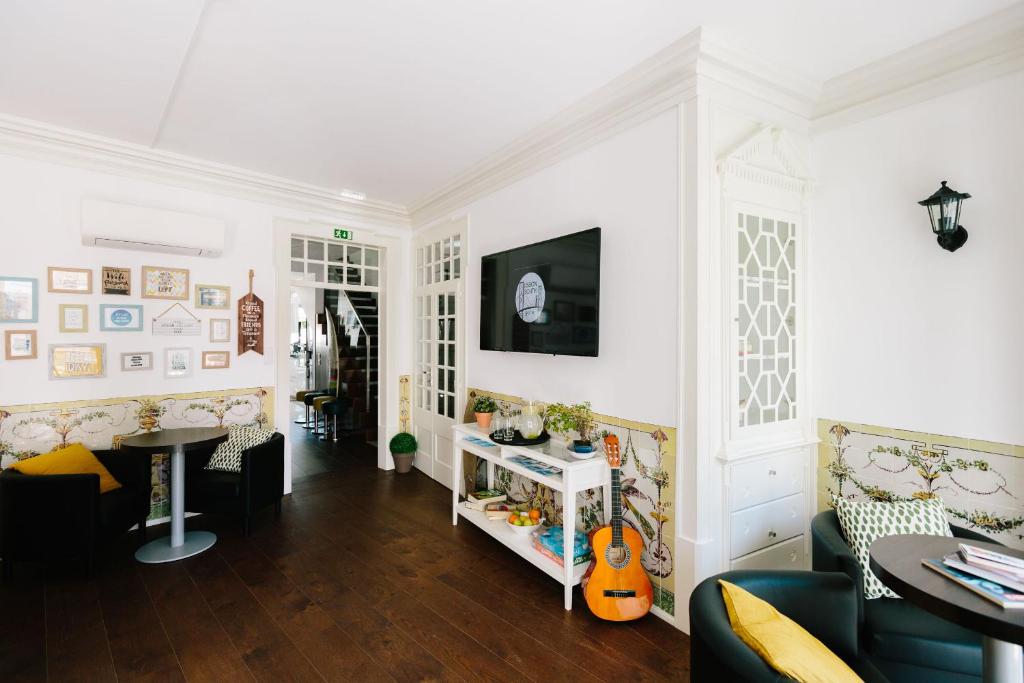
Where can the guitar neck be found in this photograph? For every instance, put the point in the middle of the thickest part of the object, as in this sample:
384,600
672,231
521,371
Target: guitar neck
616,508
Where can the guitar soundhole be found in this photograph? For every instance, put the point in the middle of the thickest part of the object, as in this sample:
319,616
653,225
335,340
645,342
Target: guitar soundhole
617,557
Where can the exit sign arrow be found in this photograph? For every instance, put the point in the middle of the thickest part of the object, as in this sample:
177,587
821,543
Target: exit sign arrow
342,234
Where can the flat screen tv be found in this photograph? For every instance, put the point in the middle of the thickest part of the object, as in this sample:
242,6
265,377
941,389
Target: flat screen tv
544,297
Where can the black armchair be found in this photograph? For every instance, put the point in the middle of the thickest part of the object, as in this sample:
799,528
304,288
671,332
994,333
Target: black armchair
905,642
823,603
241,494
63,516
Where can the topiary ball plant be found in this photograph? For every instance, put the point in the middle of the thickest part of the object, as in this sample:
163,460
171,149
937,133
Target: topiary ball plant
403,442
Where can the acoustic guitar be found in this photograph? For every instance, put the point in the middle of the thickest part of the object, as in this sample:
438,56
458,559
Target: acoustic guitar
616,586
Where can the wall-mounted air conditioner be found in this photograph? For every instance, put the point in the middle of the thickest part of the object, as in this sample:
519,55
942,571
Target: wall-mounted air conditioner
123,226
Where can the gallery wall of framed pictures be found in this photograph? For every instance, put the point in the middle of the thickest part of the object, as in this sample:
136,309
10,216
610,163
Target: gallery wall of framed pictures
83,308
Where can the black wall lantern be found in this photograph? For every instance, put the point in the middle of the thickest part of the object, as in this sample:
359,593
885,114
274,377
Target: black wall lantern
944,212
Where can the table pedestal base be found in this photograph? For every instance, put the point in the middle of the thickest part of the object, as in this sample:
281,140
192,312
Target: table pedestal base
161,549
1002,662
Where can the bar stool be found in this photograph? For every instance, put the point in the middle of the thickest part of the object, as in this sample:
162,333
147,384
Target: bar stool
308,399
332,409
318,411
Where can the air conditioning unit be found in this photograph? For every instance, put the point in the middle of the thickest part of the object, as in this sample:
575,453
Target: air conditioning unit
123,226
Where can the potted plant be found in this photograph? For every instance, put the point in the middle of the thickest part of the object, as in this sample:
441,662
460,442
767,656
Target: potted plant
578,418
484,409
403,448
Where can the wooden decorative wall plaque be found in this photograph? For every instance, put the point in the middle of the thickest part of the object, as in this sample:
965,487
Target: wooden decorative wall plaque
250,322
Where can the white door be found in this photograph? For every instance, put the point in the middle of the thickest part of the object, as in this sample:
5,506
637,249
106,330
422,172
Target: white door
438,381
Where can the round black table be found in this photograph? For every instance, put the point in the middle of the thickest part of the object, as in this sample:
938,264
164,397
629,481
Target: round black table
896,561
179,544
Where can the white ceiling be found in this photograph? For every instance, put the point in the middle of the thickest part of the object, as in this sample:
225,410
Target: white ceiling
390,97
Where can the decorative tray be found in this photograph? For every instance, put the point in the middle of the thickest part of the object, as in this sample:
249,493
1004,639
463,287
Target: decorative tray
519,439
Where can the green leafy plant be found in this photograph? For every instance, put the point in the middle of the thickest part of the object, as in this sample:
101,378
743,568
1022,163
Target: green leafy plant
403,442
564,419
485,404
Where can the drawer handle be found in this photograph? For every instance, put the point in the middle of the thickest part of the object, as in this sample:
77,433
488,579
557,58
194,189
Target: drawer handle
771,473
792,556
771,534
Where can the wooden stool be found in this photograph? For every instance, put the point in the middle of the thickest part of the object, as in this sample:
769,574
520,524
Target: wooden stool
318,412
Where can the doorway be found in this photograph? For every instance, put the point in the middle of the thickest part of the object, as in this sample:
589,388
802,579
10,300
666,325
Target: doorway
439,378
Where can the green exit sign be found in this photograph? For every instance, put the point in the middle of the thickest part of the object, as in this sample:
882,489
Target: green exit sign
340,234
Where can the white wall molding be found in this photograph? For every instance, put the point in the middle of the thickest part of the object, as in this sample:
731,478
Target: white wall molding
980,51
31,139
653,86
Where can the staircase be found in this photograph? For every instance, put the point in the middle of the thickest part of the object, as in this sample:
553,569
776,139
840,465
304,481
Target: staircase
358,363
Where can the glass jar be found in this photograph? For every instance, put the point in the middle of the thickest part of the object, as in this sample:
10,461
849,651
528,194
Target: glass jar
531,422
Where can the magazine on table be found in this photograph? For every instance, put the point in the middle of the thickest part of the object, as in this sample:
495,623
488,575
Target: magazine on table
955,560
1001,595
992,560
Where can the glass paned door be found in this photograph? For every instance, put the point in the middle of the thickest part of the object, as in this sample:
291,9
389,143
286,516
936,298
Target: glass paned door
438,388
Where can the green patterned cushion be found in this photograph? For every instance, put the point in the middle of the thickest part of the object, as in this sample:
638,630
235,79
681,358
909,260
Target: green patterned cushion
228,456
863,522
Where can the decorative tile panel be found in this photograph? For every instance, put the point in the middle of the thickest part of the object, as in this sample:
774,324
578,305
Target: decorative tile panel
979,482
28,430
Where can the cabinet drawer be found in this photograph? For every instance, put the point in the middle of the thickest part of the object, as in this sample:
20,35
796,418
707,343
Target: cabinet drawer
786,555
764,525
778,476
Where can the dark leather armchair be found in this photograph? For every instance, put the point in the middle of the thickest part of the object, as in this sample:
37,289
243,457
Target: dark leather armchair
240,494
905,642
63,516
823,603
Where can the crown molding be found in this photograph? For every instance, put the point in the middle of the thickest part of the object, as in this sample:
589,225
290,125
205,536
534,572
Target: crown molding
25,138
985,49
653,86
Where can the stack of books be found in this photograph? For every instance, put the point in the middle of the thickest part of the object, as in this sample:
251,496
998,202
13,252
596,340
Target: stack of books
995,576
549,544
478,500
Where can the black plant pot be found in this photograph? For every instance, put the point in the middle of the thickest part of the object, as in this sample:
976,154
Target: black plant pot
581,446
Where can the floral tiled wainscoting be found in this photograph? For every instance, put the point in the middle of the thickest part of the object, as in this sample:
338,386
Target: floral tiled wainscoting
648,464
980,482
28,430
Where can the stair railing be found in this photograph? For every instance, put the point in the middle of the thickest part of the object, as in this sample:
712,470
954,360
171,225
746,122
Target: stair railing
369,347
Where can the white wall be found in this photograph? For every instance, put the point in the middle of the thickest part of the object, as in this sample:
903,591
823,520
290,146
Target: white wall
628,186
905,334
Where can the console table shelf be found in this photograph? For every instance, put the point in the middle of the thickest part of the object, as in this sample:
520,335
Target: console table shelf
576,476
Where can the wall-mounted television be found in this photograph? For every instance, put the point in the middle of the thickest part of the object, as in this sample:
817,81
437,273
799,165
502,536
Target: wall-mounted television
544,297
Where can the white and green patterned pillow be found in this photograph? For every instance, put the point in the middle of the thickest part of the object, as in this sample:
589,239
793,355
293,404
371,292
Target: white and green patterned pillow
228,456
864,522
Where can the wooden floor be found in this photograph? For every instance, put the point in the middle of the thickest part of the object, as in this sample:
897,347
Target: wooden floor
363,578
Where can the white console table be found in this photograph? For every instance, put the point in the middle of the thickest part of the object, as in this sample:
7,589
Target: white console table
577,475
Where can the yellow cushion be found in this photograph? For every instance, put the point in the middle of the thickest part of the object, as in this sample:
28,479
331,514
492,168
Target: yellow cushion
782,643
73,459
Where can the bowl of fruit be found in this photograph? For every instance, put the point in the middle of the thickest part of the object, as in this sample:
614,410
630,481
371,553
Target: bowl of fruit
524,522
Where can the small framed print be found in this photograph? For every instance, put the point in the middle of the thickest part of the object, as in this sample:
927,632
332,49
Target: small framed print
19,300
213,296
115,318
220,329
77,361
74,318
216,360
177,363
116,280
139,360
164,283
20,344
69,280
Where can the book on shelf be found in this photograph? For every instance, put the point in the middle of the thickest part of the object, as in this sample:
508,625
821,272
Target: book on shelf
497,511
478,500
549,543
955,560
992,560
1000,595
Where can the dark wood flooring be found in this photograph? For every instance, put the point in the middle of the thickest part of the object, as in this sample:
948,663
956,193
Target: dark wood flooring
363,578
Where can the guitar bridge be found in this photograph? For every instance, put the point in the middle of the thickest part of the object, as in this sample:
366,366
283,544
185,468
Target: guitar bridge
619,594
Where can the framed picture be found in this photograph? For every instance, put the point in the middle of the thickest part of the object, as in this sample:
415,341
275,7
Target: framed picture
116,280
215,360
213,296
19,300
138,360
177,363
220,329
20,344
164,283
77,361
74,318
69,280
172,323
115,318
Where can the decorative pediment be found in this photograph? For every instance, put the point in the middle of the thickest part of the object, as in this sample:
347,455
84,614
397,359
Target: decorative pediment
767,157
